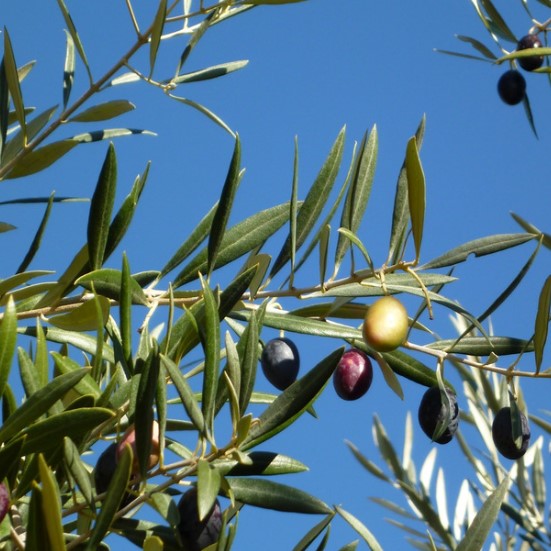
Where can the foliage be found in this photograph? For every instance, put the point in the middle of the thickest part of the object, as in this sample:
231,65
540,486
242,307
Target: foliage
54,429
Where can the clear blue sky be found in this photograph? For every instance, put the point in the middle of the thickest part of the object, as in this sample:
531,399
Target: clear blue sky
313,67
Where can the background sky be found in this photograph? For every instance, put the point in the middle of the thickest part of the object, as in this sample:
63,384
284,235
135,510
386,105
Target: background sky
313,67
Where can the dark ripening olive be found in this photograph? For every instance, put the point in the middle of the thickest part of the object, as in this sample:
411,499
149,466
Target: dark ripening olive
104,471
433,411
353,375
502,434
386,324
4,501
534,61
198,534
511,87
280,362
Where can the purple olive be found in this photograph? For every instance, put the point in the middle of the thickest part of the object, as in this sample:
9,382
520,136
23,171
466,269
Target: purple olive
502,434
4,501
353,375
198,534
433,411
280,362
511,87
534,61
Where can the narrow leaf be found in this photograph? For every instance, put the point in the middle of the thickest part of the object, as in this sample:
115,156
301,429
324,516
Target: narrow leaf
8,339
195,238
482,524
223,210
104,111
541,327
277,497
101,208
237,241
210,339
107,282
315,201
74,34
208,486
14,87
361,529
293,401
400,214
113,498
156,33
39,403
84,317
51,505
68,69
210,72
416,193
478,247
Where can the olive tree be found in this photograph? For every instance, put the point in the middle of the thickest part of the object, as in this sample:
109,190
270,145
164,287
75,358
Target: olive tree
92,445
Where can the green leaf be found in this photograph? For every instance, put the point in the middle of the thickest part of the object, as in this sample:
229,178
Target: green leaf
14,281
76,38
359,192
14,87
41,158
145,396
46,434
111,504
484,520
410,368
33,127
237,241
156,33
84,317
477,45
208,486
248,356
483,346
360,528
498,23
324,248
541,327
293,215
293,401
104,111
400,214
315,201
125,310
530,228
39,403
187,397
107,282
8,339
101,208
260,463
210,340
210,72
35,245
195,238
51,505
313,533
277,497
4,108
78,470
68,69
479,247
416,193
222,214
124,215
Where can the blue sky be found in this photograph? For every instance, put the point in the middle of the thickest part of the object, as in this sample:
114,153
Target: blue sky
313,67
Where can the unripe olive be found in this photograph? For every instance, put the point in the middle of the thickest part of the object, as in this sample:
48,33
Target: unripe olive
535,61
198,534
386,324
129,437
511,87
502,434
353,375
280,362
433,411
